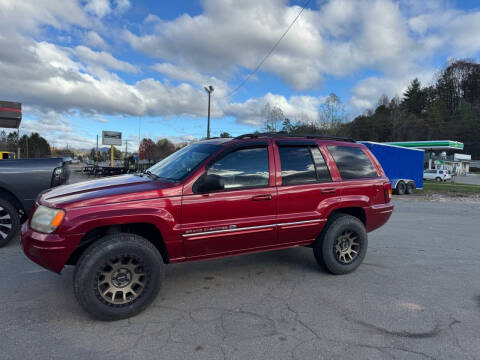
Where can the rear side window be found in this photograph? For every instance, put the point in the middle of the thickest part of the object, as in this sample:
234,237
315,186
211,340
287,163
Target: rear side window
243,168
352,162
302,164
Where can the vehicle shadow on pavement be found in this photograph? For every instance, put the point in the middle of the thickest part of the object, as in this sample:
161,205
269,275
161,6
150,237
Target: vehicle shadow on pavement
48,297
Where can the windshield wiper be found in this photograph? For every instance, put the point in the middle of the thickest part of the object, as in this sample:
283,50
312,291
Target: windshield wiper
152,175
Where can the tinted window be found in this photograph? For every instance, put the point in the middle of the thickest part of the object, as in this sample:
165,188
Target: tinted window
352,162
323,174
297,165
243,168
181,163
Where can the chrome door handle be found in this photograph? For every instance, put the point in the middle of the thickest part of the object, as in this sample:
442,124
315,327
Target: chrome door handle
329,191
262,197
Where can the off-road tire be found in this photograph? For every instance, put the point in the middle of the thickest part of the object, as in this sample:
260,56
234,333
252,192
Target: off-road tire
100,255
9,222
324,248
401,188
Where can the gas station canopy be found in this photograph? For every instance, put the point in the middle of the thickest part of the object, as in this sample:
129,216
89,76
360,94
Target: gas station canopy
10,114
430,144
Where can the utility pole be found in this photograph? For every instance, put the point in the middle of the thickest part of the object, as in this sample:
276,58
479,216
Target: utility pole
18,143
111,155
209,90
96,153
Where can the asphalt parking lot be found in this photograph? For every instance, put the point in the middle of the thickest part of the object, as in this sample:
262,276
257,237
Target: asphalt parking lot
416,296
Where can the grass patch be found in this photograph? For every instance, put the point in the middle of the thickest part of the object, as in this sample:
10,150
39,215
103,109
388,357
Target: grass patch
447,187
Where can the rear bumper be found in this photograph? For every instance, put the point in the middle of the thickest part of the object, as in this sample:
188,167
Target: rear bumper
50,251
378,215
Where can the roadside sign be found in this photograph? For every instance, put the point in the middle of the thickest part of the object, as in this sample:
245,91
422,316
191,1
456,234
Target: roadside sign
111,138
10,114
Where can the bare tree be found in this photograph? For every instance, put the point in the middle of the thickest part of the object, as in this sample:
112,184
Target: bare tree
274,118
332,114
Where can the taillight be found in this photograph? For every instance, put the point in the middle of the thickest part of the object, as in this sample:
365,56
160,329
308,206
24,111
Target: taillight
387,190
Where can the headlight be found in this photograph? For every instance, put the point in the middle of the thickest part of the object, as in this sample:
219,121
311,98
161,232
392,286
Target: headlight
46,219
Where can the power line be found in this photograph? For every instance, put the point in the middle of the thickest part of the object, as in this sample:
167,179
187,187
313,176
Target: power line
268,54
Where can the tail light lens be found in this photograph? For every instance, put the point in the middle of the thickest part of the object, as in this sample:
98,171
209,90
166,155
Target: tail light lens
387,189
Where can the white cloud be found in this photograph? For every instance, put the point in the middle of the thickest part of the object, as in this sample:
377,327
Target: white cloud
45,75
28,14
121,6
229,34
99,8
368,91
102,8
104,59
92,39
296,108
55,128
454,31
100,119
182,73
397,39
341,38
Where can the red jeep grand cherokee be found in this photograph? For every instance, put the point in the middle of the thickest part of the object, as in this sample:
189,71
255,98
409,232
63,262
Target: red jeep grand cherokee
213,198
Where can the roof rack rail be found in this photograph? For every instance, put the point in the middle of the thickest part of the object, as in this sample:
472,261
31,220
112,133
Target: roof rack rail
285,134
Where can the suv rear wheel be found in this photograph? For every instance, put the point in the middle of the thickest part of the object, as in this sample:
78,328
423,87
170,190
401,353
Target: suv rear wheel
9,222
118,276
343,246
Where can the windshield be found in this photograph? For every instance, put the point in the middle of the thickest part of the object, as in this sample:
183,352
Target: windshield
178,165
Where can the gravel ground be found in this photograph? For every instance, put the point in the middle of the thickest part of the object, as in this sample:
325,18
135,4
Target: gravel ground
416,296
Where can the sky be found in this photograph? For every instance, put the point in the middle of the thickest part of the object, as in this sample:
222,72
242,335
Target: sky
140,67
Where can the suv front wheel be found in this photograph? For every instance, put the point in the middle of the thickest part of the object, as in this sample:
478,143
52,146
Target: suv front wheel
343,245
118,276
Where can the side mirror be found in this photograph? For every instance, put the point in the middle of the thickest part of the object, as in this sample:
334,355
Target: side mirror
210,183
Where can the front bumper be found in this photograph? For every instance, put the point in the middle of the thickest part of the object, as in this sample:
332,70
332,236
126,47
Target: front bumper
50,251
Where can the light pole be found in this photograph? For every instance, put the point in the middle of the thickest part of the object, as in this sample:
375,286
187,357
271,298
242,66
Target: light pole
209,90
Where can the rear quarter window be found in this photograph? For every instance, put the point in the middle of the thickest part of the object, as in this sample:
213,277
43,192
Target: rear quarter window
352,162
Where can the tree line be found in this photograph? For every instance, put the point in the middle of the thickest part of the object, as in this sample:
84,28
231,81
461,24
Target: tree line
156,151
449,109
101,156
31,146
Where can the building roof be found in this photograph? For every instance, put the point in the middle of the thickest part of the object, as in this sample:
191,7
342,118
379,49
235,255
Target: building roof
430,144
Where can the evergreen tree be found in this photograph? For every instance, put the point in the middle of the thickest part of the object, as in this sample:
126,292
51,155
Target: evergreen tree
414,99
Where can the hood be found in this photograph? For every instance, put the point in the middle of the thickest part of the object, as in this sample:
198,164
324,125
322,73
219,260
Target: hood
108,190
